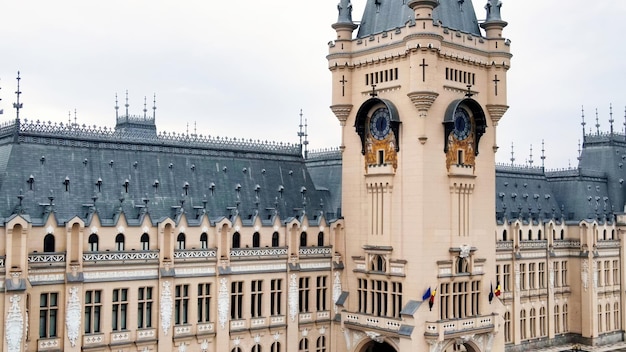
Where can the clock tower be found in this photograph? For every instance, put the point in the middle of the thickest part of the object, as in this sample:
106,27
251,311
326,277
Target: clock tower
419,89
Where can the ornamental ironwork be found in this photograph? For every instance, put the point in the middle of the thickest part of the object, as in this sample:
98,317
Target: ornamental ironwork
120,256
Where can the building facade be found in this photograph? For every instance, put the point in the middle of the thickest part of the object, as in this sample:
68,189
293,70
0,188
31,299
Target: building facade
408,237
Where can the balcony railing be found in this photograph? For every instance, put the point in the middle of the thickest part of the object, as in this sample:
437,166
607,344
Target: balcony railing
371,322
122,256
47,258
259,252
443,329
315,251
194,254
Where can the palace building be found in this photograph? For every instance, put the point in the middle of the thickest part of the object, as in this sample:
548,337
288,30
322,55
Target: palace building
408,237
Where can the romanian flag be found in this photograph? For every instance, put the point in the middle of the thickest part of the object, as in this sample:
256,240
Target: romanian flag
498,290
431,300
491,293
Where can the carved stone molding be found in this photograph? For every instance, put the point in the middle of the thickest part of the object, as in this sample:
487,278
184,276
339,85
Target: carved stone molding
166,307
342,111
423,100
73,316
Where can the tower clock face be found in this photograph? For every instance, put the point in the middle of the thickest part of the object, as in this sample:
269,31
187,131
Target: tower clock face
462,124
380,123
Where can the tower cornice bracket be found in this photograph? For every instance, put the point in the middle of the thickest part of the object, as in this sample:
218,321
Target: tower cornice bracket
342,111
496,111
423,100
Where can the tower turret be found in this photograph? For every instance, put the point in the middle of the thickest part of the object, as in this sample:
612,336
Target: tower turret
494,24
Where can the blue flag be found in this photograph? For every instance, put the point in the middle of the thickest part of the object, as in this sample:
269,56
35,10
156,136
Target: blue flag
426,295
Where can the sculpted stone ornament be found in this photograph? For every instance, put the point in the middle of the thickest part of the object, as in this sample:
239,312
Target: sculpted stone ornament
465,251
166,307
336,289
293,296
73,316
584,275
222,303
374,336
14,325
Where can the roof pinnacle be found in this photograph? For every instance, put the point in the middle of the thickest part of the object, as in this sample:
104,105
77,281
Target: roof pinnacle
17,105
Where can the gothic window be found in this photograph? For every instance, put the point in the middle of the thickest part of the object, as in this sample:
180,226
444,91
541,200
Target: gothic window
236,349
119,242
320,239
600,318
303,241
48,243
520,235
145,302
462,265
321,344
565,318
276,296
256,348
93,242
256,240
256,298
236,240
539,235
303,346
275,347
236,300
204,303
322,293
145,242
93,311
543,329
180,241
378,263
275,239
557,320
507,327
504,238
562,234
607,314
120,309
303,294
181,305
204,241
530,235
616,319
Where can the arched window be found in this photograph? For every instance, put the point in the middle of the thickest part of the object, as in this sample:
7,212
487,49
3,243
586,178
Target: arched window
462,265
562,234
256,348
600,318
616,325
119,242
553,234
565,318
48,243
504,235
303,239
533,323
321,344
145,242
543,328
557,320
204,241
507,327
180,241
320,239
530,235
377,263
604,237
539,235
236,240
276,347
256,240
612,234
303,346
93,242
607,314
275,239
236,349
520,235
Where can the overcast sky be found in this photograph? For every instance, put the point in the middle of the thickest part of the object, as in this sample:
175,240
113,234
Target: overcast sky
245,68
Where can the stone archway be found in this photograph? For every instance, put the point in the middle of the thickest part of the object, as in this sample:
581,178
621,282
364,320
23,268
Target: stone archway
374,346
460,346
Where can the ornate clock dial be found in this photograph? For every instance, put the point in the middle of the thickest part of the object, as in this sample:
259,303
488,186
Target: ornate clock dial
380,123
462,124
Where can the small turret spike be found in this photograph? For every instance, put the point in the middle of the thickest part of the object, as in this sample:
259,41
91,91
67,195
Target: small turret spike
530,159
579,150
611,116
154,108
597,122
126,105
583,123
512,154
543,154
117,108
145,109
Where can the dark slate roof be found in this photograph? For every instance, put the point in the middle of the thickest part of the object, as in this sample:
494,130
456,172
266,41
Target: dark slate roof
524,193
81,169
385,15
325,170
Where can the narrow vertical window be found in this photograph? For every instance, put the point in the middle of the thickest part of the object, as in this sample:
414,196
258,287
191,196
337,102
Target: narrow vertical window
144,307
204,303
181,305
119,305
48,309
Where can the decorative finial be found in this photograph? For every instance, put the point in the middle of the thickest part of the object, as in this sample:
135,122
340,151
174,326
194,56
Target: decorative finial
117,108
579,150
583,123
530,160
597,122
543,155
75,118
145,110
126,105
154,108
303,133
611,117
17,105
469,93
512,154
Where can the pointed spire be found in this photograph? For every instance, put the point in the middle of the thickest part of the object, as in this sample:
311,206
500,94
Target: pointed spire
597,122
579,150
345,12
530,159
17,105
145,110
493,10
